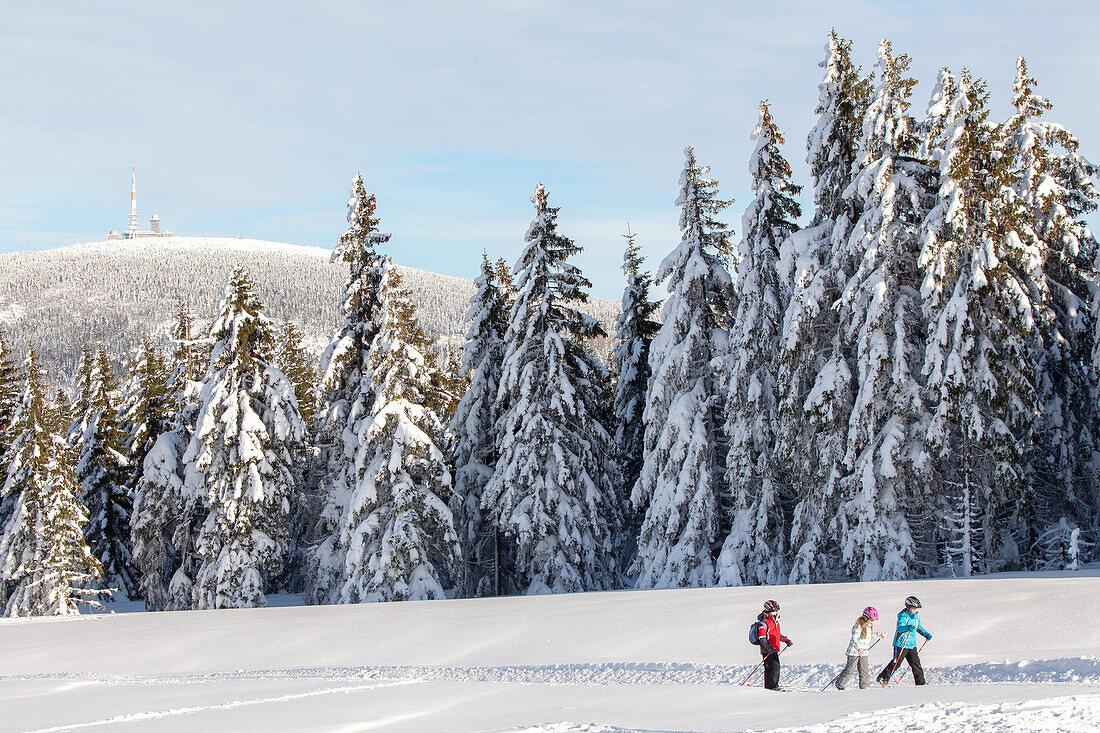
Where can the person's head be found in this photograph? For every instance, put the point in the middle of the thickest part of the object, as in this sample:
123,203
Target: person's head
912,603
870,613
771,608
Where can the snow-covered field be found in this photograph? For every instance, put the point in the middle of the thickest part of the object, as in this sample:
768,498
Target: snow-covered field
1011,652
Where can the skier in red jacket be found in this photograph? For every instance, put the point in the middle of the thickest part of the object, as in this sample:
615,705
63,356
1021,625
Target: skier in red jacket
769,644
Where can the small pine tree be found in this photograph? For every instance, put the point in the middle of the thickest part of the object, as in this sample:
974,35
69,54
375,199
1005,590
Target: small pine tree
755,550
399,532
241,458
552,490
103,475
346,392
680,485
485,570
634,333
45,563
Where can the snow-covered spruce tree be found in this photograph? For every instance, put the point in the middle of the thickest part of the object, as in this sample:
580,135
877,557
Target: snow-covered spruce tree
814,377
680,485
552,491
147,408
346,393
755,551
191,355
45,563
241,458
1056,187
290,357
103,475
634,333
485,569
398,531
146,416
167,519
881,330
983,283
80,406
9,401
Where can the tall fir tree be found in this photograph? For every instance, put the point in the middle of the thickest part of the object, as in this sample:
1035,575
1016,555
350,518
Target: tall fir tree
9,403
46,565
399,531
883,334
165,525
634,333
145,416
80,406
347,392
552,490
815,380
241,458
103,475
486,569
291,358
983,282
680,486
1057,188
755,550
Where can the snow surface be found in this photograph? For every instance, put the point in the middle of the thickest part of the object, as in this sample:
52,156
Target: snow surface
145,244
1010,652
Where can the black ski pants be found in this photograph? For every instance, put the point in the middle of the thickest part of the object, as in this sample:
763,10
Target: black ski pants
901,655
771,671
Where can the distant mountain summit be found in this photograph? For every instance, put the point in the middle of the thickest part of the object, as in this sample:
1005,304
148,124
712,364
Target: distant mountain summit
112,291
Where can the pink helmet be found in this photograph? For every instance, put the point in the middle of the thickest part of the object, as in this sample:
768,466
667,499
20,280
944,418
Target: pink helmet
871,613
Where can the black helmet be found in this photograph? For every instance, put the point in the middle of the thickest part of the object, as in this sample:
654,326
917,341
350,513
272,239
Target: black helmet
912,602
770,606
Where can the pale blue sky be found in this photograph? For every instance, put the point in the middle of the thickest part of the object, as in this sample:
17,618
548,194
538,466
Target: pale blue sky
251,117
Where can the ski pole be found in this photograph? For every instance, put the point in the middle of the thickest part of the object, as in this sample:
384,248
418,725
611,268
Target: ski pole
898,680
899,652
753,672
757,667
842,671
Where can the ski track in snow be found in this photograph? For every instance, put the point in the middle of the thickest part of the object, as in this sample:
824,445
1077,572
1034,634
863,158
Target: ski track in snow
1053,715
1078,670
155,714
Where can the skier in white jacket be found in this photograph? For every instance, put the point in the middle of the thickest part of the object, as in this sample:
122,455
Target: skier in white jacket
863,632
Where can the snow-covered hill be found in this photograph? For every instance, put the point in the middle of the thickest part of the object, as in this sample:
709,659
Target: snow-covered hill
1010,652
112,291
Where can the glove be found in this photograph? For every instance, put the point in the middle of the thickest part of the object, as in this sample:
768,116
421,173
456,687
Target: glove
928,636
881,634
789,642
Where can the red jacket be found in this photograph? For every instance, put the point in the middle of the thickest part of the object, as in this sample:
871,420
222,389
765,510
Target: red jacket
774,636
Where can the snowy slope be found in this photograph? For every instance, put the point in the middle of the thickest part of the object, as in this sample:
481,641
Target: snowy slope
654,660
112,291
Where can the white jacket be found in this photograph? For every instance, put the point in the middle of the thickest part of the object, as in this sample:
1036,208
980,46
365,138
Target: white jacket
859,644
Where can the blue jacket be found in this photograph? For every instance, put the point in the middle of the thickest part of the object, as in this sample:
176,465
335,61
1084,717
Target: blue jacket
908,627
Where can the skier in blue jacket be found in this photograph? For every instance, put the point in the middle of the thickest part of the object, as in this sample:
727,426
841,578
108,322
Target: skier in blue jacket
905,643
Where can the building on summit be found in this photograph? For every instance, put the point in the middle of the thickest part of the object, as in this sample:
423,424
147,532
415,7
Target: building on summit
132,232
